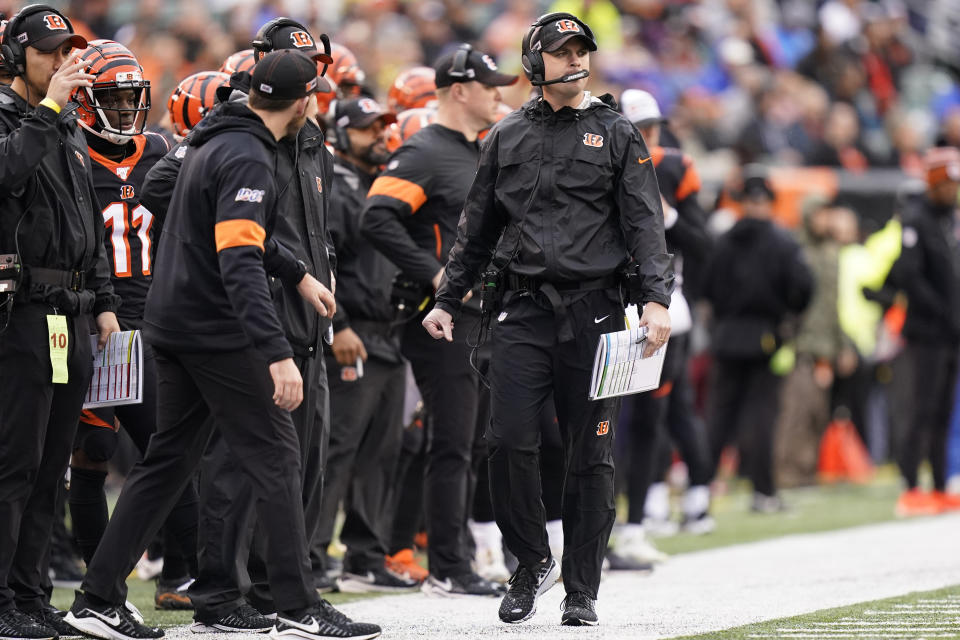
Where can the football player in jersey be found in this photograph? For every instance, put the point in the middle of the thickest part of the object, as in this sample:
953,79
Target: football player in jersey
112,114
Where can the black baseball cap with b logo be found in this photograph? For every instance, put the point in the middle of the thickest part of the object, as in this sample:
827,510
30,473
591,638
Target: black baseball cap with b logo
285,74
556,33
44,30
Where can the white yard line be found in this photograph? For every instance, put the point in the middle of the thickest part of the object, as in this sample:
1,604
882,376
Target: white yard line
709,590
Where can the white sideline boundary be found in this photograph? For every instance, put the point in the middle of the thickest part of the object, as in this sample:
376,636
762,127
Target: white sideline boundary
703,591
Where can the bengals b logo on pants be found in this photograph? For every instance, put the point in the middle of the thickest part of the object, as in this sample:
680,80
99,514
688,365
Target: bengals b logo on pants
603,428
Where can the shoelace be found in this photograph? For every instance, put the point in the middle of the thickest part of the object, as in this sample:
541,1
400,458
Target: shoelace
522,579
331,613
576,599
246,612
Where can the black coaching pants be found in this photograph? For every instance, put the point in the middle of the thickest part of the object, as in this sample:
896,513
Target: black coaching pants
38,420
235,390
933,380
366,432
448,385
529,364
232,545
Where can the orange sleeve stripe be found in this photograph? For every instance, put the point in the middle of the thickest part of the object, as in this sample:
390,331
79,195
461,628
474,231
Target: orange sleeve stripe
689,185
88,417
436,232
400,189
239,233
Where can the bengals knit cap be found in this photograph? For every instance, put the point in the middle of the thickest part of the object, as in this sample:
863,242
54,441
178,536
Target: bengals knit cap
285,74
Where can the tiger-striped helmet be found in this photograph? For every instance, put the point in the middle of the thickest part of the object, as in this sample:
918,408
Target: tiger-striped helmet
239,61
414,88
345,71
193,98
408,123
115,106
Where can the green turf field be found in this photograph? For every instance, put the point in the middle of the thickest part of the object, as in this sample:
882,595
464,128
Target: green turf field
813,509
929,614
810,510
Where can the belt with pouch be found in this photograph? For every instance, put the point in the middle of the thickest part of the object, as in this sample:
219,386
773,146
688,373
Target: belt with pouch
552,292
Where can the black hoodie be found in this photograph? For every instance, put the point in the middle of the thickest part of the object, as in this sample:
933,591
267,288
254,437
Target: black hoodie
210,289
573,194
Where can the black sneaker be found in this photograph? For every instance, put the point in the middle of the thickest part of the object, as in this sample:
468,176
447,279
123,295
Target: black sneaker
578,610
323,582
468,584
64,571
617,562
321,621
16,624
524,587
52,617
243,619
110,622
171,595
380,580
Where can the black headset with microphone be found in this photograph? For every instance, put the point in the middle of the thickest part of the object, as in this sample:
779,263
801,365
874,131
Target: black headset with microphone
13,51
263,42
532,49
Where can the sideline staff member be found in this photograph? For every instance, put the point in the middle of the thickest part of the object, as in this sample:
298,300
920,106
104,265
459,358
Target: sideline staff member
49,216
222,354
411,217
568,183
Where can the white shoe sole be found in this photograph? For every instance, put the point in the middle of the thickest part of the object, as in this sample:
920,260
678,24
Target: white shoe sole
436,592
348,585
580,623
199,627
296,633
96,628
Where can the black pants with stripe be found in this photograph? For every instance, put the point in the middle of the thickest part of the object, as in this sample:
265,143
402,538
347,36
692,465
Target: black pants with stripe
527,366
198,391
38,420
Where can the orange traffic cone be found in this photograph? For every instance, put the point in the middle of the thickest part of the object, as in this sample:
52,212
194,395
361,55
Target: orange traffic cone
843,457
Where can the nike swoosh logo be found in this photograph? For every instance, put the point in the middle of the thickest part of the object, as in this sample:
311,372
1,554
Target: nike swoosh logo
114,621
447,585
643,160
599,320
313,628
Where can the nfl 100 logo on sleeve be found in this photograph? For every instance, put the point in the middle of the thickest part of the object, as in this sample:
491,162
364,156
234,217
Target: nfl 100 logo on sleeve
249,195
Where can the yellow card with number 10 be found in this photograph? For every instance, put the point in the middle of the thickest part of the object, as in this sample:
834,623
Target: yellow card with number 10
59,342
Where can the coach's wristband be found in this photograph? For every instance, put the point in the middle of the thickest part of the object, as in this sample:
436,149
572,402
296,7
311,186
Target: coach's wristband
50,103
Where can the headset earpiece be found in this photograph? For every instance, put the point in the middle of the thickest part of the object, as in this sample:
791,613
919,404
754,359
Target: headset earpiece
263,42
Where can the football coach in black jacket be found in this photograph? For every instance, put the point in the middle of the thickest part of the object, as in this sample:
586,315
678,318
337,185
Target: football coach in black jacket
566,187
304,171
50,223
222,353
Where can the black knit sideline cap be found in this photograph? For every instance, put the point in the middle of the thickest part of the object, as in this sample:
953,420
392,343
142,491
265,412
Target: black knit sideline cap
285,74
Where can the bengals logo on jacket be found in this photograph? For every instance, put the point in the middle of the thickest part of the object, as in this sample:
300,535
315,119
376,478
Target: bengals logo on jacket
593,140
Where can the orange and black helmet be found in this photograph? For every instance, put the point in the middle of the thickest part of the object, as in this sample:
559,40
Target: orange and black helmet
117,72
239,61
345,71
502,112
414,88
193,98
408,123
324,98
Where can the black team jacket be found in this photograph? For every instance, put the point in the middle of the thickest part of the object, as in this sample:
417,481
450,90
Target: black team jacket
210,290
574,195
